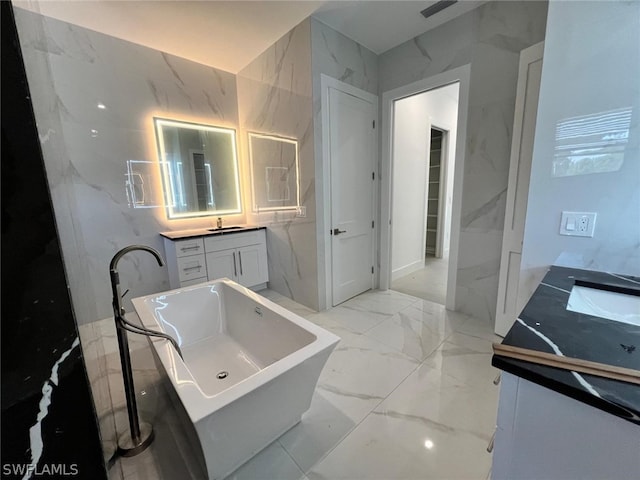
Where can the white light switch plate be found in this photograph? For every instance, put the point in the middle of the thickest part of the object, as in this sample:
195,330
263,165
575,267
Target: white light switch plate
301,211
578,224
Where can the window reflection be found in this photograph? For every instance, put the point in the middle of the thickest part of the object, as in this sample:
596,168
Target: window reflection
591,143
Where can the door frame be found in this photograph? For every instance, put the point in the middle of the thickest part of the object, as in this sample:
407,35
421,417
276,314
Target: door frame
504,304
323,194
463,75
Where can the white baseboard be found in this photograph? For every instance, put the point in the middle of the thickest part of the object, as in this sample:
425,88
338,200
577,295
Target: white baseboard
407,269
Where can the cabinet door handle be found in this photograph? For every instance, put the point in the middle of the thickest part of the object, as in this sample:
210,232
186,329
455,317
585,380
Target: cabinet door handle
194,247
493,439
235,269
496,380
187,269
240,257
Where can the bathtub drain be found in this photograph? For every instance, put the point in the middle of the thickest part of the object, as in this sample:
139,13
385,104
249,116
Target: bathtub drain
222,375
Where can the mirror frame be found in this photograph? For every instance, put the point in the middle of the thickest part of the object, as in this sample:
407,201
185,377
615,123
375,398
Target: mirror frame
293,141
169,195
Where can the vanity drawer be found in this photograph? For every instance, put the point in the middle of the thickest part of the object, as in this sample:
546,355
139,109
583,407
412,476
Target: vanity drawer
234,240
191,246
191,267
195,281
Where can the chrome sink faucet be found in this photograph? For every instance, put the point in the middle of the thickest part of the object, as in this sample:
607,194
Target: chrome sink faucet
139,438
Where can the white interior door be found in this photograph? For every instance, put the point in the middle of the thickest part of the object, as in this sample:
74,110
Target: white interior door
524,126
352,165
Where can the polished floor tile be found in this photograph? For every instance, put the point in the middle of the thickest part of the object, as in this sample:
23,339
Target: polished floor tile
387,302
355,320
271,463
428,283
364,312
361,372
322,427
418,329
438,393
398,446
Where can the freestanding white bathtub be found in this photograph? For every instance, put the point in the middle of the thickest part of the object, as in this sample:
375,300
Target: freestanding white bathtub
250,366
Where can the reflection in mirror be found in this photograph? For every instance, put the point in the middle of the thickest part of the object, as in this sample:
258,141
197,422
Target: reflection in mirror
593,143
274,172
199,168
140,188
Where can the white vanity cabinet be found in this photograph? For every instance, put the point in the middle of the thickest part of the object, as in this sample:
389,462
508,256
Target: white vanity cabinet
185,261
240,256
544,434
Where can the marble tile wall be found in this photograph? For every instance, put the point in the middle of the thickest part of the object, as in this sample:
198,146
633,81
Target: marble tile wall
70,70
489,38
589,70
275,97
339,57
86,149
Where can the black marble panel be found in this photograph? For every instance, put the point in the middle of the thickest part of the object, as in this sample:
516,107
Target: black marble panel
49,424
545,323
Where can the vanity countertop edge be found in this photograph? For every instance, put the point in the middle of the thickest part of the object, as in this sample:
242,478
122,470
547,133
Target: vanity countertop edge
208,232
545,321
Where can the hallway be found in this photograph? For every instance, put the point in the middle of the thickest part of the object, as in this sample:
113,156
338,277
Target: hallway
428,283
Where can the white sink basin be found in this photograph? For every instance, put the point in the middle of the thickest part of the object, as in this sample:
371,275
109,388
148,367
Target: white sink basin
601,303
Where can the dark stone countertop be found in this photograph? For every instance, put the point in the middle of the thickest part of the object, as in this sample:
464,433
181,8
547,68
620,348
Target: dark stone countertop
207,232
545,321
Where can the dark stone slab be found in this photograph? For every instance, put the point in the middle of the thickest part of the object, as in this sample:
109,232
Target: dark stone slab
48,419
545,322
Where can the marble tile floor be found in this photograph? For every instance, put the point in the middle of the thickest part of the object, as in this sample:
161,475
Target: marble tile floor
406,394
428,283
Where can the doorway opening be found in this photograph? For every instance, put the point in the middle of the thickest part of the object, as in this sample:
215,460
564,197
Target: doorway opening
421,154
423,148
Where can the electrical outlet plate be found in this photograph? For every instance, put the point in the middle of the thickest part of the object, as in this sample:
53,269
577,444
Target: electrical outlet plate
301,211
578,224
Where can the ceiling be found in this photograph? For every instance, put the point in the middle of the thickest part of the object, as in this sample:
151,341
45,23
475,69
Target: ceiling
230,34
381,25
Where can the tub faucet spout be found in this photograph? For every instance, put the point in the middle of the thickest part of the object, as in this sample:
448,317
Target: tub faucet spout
118,311
140,436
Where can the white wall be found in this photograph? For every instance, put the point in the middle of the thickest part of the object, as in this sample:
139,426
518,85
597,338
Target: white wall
591,65
413,118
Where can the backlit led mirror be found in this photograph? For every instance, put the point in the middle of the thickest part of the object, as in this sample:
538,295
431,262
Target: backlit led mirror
274,172
199,165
